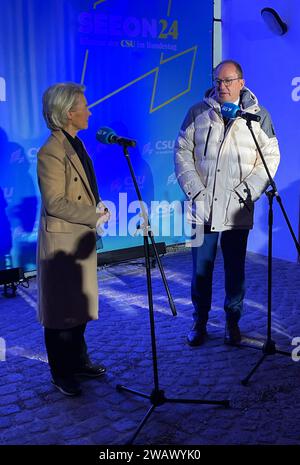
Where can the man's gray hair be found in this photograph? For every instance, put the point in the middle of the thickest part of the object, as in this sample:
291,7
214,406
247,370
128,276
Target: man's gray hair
58,100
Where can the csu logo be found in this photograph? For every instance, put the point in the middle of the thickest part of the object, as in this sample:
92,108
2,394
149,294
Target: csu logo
160,147
2,89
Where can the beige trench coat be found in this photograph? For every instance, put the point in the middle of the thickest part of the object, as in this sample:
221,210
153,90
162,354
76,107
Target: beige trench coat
66,250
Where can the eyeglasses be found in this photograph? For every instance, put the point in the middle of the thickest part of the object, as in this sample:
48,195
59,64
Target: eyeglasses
227,82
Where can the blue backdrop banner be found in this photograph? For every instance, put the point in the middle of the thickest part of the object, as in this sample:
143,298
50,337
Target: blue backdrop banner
143,64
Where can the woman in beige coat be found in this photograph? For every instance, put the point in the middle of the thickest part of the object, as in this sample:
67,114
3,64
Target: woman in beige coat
66,255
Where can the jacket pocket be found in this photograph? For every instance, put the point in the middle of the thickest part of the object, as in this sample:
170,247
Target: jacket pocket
206,142
58,226
199,209
239,213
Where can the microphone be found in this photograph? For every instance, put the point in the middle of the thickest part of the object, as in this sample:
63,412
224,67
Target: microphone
232,111
107,135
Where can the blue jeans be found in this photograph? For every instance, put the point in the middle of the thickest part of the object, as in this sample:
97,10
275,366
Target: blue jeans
234,246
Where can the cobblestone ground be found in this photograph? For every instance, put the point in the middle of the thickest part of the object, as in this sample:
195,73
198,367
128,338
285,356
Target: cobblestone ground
267,411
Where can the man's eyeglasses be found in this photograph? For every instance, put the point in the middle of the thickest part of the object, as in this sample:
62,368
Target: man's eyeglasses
227,82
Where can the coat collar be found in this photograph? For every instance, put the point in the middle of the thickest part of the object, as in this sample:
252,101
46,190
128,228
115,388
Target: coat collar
247,100
74,159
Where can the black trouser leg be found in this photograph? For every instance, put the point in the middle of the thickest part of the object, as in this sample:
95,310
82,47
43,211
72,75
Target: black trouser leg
83,357
66,349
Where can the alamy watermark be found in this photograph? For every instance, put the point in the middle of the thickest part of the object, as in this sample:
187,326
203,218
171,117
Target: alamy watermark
296,89
168,219
2,89
296,352
2,349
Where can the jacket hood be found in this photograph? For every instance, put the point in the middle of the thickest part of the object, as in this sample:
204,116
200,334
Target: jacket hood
247,99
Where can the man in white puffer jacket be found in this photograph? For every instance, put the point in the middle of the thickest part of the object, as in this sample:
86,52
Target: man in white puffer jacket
219,168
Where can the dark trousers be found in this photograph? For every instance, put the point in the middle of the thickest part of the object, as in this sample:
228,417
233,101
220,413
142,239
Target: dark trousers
234,246
66,349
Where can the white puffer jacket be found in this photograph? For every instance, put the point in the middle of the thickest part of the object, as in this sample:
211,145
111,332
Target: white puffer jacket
221,167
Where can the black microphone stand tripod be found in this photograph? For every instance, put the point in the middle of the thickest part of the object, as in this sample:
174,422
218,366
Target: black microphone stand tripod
157,396
269,347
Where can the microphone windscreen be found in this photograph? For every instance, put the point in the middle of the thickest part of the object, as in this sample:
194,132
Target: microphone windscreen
105,135
229,110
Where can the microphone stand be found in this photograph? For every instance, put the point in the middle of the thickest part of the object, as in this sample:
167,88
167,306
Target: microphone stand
269,347
157,396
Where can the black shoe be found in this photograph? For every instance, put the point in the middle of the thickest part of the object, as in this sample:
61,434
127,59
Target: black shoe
91,371
69,386
232,333
198,335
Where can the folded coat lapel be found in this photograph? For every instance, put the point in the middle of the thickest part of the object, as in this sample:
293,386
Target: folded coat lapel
75,160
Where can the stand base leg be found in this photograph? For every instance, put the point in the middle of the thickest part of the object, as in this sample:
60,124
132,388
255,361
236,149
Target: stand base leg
157,397
268,348
151,409
245,380
224,403
120,388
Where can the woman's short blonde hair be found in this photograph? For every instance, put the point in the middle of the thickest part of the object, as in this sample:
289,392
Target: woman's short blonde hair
58,100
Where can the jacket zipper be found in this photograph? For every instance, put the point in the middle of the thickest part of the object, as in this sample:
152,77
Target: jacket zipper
206,143
224,136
